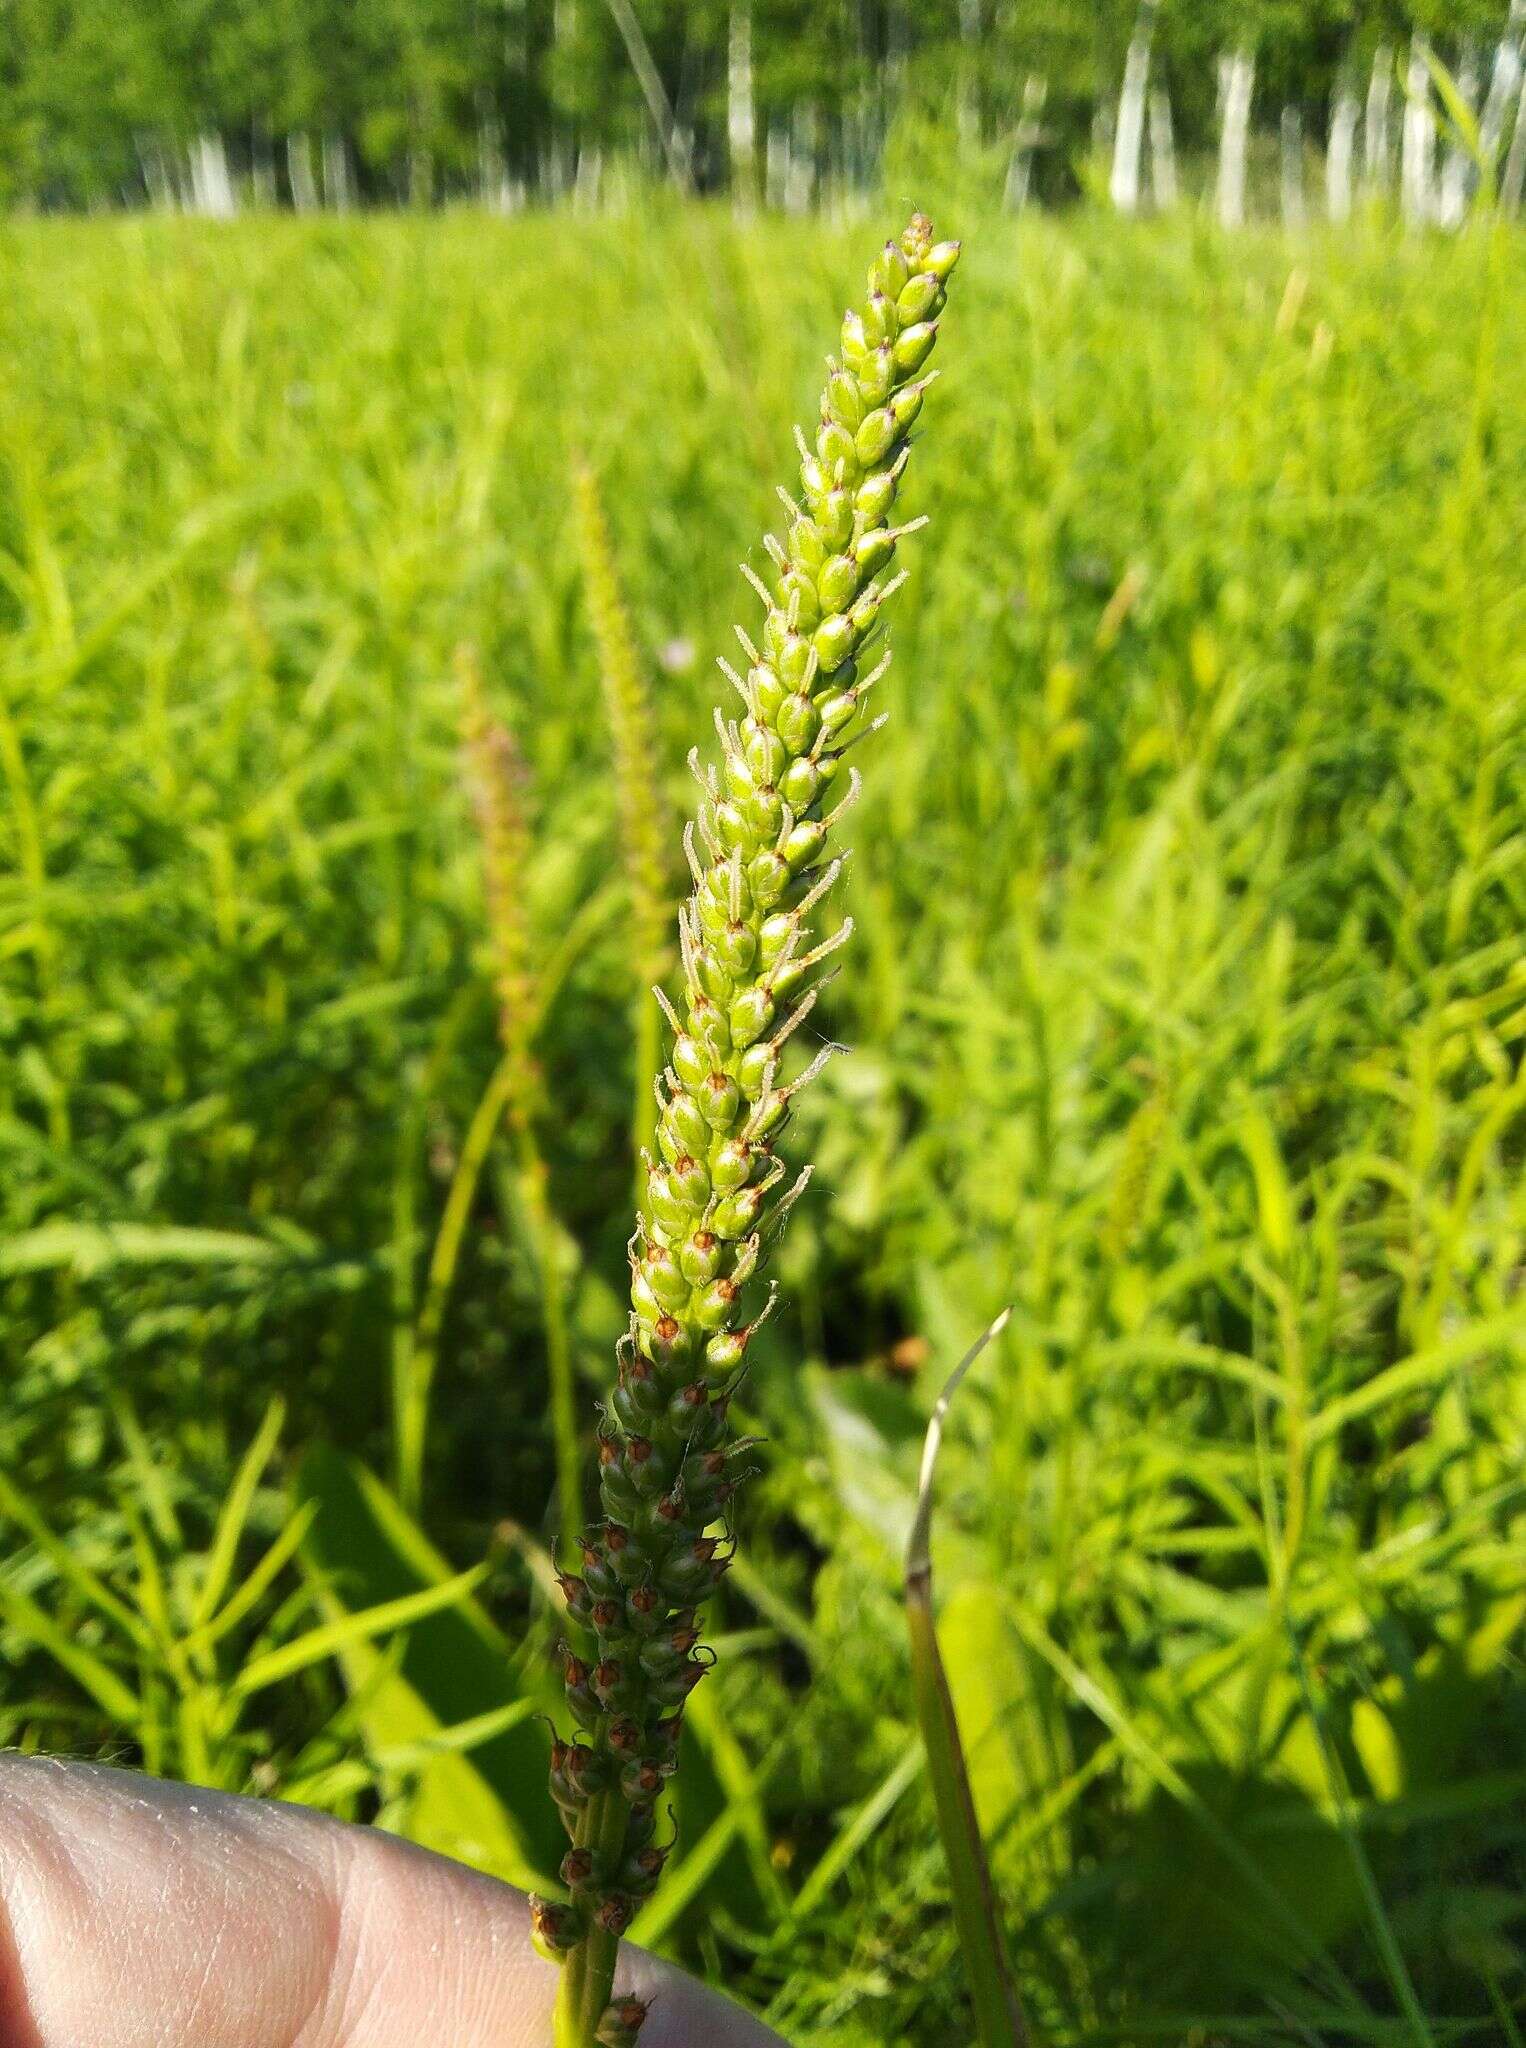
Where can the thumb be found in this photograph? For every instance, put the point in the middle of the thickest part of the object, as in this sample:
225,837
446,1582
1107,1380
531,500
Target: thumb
134,1911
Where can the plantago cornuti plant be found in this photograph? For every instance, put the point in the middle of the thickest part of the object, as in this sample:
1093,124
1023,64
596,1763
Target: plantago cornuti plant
763,862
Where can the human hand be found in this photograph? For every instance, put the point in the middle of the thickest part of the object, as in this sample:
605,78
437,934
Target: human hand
138,1914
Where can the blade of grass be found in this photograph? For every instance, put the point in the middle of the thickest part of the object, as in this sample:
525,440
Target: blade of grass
998,2013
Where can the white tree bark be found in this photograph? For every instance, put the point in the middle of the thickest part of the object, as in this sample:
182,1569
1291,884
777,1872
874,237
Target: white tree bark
1513,178
1458,172
1163,186
1344,115
299,173
338,188
1504,84
157,177
1237,81
1025,142
1375,128
1128,137
741,119
1417,173
211,182
1291,133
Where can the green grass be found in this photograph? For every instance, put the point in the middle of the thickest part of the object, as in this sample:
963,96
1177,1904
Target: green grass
1188,1005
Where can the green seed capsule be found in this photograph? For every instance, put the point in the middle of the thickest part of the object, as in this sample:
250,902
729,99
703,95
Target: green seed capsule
769,877
834,641
691,1062
765,813
699,1258
725,1351
751,1015
879,320
843,400
874,437
712,1308
707,1017
720,1098
837,584
834,448
764,751
688,1126
875,498
773,935
737,947
794,662
753,1070
855,342
689,1182
889,272
920,298
730,824
797,595
806,545
767,691
873,551
913,348
906,404
941,259
876,375
835,519
837,708
730,1166
664,1277
798,722
801,784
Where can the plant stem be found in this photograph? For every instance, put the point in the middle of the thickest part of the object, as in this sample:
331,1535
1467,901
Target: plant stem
553,1308
588,1976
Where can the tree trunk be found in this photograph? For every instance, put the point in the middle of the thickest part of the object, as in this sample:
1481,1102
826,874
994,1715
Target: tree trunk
1338,157
1458,172
1504,84
299,173
338,189
741,120
969,73
1291,130
1129,136
1163,185
1418,161
211,183
1025,142
1375,128
1514,177
1237,80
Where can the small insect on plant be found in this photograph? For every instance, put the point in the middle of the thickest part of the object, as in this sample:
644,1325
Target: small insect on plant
762,855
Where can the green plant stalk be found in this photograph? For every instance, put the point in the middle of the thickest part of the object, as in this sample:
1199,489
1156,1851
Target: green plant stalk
999,2021
761,855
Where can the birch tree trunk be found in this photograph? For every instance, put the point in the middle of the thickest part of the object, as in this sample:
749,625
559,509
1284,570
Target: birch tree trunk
1291,134
1418,159
1504,84
338,189
1457,172
1129,135
1338,157
1375,128
1025,142
1163,185
741,120
1237,80
1514,177
211,183
299,172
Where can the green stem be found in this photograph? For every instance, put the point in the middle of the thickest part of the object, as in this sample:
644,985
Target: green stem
564,1408
588,1975
413,1416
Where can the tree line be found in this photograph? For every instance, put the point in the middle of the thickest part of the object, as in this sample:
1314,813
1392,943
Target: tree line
210,104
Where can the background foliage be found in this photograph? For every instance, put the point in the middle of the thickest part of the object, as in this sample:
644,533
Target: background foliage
99,103
1187,1003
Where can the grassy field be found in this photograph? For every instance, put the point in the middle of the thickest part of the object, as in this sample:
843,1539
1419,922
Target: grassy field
1188,1004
